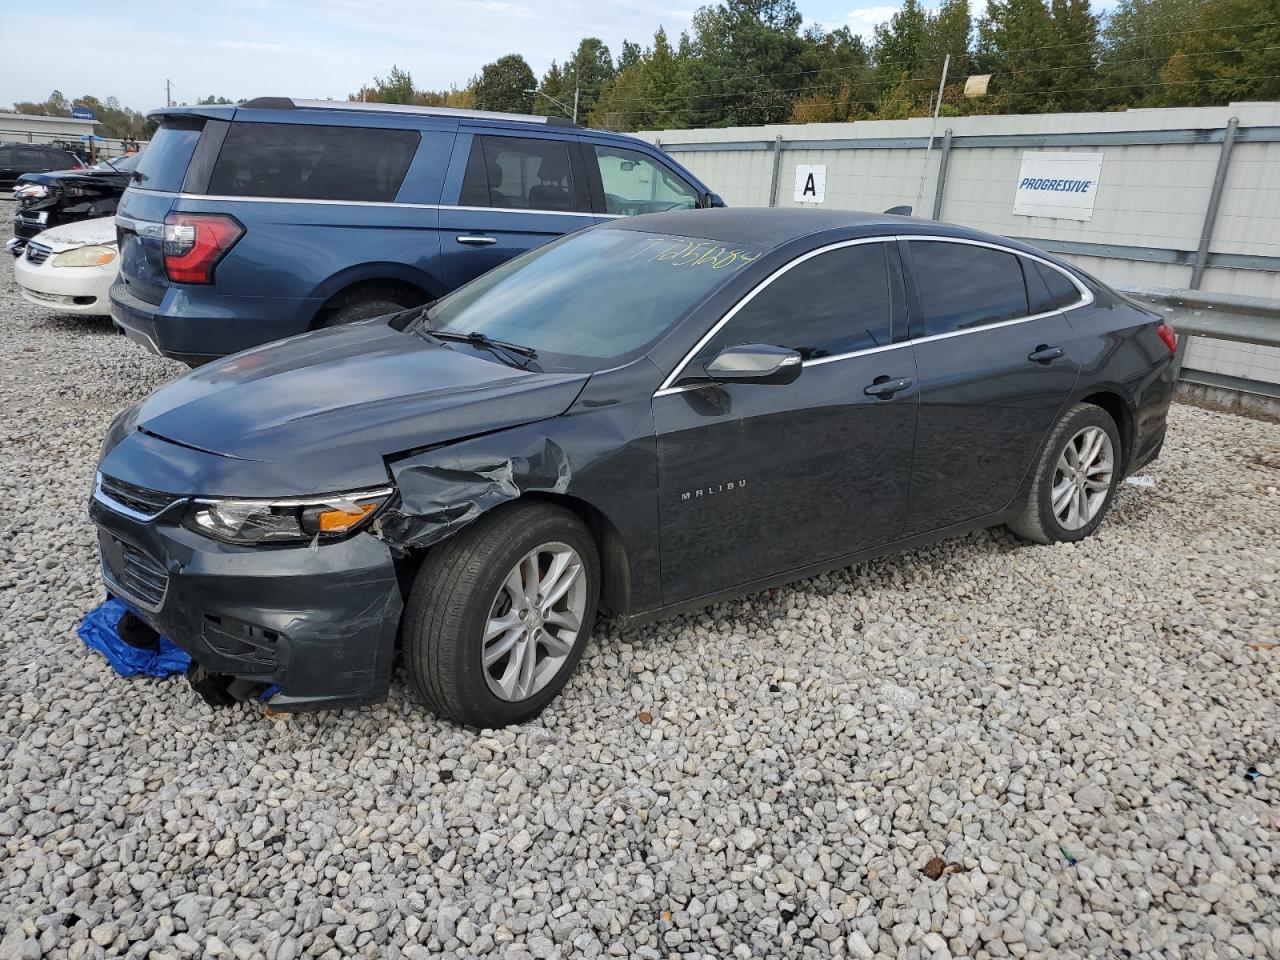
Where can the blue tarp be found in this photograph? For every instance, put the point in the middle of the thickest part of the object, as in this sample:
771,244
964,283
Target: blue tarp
98,630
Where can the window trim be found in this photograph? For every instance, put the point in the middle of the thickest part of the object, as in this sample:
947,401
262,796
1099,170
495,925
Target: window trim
1086,298
183,195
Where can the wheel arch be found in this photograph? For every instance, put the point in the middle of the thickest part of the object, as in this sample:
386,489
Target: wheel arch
1115,405
615,565
373,276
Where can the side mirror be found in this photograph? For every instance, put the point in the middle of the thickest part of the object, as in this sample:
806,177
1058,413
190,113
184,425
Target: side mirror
754,363
714,200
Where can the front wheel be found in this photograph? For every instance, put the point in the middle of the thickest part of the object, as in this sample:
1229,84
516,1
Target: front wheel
499,615
1075,479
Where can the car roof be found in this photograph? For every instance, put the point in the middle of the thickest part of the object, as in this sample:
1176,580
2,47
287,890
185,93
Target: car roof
463,116
770,227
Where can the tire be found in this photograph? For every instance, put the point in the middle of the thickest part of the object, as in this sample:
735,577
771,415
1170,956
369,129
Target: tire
1076,518
364,304
464,586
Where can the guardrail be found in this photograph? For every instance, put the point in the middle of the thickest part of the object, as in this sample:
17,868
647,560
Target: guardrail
1218,316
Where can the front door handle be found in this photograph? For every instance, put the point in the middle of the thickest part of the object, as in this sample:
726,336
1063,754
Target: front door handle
886,387
1045,354
475,240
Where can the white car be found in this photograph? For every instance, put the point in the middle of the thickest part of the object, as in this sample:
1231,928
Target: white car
71,267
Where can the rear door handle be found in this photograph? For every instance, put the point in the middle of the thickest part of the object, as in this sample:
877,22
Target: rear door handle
474,240
886,386
1044,354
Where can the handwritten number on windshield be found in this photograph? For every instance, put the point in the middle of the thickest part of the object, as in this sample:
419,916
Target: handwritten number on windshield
694,253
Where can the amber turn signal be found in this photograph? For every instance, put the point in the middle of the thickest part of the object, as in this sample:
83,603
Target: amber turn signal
340,521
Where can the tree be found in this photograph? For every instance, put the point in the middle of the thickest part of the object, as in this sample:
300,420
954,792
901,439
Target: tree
211,100
899,45
506,85
843,87
1012,38
587,72
1074,55
552,86
1229,51
630,55
1139,39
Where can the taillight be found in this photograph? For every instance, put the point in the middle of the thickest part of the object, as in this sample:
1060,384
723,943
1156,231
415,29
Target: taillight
195,242
1168,335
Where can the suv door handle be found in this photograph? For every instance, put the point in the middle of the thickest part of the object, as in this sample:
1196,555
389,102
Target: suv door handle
1044,354
886,387
474,240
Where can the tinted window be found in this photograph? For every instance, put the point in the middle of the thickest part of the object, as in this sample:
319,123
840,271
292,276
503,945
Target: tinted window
518,172
592,299
33,156
836,302
634,184
1059,291
309,162
164,164
964,286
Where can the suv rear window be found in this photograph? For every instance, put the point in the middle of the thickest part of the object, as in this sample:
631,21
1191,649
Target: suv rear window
309,162
164,164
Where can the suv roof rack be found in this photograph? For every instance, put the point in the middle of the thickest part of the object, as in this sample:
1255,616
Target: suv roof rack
291,103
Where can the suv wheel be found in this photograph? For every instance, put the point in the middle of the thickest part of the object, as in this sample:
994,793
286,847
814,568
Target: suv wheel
499,615
365,304
1075,479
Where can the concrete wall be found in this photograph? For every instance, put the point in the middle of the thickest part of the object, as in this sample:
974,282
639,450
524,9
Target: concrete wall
1151,199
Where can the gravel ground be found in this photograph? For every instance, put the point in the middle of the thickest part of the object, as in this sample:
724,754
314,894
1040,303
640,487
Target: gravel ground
1065,732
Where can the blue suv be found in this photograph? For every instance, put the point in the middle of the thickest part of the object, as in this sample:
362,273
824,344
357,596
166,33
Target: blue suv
245,224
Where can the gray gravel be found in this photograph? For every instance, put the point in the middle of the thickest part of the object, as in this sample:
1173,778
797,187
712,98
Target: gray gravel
1064,732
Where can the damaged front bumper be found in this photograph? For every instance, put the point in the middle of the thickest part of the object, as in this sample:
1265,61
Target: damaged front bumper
317,623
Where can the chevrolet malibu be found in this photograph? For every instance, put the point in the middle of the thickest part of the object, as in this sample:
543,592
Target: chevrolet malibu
640,418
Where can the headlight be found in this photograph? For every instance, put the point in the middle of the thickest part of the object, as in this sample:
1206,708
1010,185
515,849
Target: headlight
293,520
94,256
26,190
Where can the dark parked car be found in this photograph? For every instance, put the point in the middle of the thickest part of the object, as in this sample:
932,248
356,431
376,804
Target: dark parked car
19,158
250,223
640,418
48,200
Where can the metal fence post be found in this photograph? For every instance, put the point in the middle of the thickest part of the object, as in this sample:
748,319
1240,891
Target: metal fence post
1215,199
777,170
940,186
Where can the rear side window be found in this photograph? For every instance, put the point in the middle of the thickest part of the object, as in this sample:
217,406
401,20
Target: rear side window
836,302
1049,289
308,162
963,286
164,164
518,172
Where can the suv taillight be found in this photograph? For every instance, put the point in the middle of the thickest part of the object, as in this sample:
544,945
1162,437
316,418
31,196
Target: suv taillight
1168,335
195,242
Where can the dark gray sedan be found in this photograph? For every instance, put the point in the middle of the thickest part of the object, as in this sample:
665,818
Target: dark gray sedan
643,417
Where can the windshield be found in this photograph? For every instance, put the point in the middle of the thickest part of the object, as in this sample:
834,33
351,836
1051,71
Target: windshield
594,299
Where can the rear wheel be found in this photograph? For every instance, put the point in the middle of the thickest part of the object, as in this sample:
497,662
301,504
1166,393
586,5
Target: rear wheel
366,303
1075,479
499,615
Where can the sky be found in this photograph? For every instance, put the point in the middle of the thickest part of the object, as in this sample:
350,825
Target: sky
323,48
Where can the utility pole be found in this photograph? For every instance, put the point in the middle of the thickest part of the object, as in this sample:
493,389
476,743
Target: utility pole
168,93
575,97
933,127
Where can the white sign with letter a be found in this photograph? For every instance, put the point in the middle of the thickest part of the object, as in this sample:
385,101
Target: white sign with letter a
811,183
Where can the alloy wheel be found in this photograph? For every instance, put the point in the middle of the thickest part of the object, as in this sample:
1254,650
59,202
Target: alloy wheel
534,621
1082,478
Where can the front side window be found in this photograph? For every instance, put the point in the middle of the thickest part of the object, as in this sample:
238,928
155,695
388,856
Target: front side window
634,184
593,299
837,302
519,172
312,162
963,285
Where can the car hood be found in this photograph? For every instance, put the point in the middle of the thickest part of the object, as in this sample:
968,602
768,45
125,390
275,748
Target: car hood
100,230
329,406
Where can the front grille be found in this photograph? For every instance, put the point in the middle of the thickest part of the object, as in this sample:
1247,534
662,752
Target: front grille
133,572
38,253
138,499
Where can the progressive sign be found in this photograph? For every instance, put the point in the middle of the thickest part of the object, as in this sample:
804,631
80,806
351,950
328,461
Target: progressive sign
1062,185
